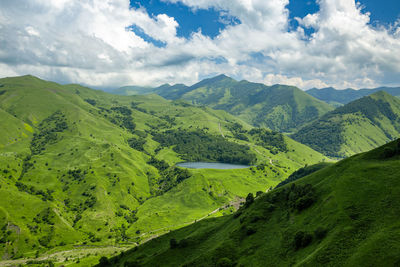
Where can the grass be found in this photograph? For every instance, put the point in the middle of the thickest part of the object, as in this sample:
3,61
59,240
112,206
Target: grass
351,219
356,127
95,189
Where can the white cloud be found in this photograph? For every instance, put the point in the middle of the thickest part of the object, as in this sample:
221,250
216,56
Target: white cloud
89,42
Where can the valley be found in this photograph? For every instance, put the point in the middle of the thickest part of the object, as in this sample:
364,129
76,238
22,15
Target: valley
86,174
81,167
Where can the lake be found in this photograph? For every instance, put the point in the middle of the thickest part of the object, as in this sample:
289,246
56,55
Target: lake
210,165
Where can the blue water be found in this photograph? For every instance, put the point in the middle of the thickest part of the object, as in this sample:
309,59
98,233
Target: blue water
210,165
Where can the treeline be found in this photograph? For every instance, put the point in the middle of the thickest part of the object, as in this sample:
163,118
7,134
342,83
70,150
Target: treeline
200,146
48,129
169,176
324,135
271,140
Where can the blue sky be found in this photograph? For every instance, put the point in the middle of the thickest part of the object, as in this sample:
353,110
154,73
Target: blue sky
383,12
107,44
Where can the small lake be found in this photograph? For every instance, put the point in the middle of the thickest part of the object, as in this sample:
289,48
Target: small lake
211,165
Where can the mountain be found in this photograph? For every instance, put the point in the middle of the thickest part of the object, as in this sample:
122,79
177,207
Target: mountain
279,107
81,168
166,90
341,215
341,97
134,90
356,127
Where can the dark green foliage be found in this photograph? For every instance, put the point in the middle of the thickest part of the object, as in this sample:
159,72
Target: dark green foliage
161,165
224,262
271,140
135,105
322,135
46,195
46,216
123,118
250,231
238,131
48,129
249,199
295,197
306,170
173,243
91,101
320,233
104,262
200,146
137,143
123,110
2,92
302,240
77,174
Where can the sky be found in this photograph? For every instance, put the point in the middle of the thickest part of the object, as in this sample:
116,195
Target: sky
112,43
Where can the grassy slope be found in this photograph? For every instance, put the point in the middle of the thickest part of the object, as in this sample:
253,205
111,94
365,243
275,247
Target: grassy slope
277,107
353,222
356,127
116,173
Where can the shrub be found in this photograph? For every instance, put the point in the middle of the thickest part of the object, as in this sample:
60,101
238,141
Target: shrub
173,243
224,262
250,231
320,233
104,261
249,199
302,239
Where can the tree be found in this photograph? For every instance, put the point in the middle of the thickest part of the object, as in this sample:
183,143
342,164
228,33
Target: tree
104,261
249,199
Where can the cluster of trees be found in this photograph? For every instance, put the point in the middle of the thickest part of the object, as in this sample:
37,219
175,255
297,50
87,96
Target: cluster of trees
137,143
295,197
271,140
324,135
48,129
238,131
169,176
200,146
77,174
46,195
122,116
91,101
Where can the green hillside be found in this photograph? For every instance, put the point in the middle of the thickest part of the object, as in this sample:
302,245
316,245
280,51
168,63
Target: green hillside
342,97
279,107
82,168
342,215
359,126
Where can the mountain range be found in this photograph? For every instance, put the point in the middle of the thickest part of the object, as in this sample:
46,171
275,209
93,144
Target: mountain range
341,97
80,167
279,107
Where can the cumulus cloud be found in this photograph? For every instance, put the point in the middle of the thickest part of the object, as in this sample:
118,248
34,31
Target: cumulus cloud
91,42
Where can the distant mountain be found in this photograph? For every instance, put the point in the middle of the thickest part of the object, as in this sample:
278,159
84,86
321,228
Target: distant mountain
341,97
133,90
279,107
356,127
341,215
